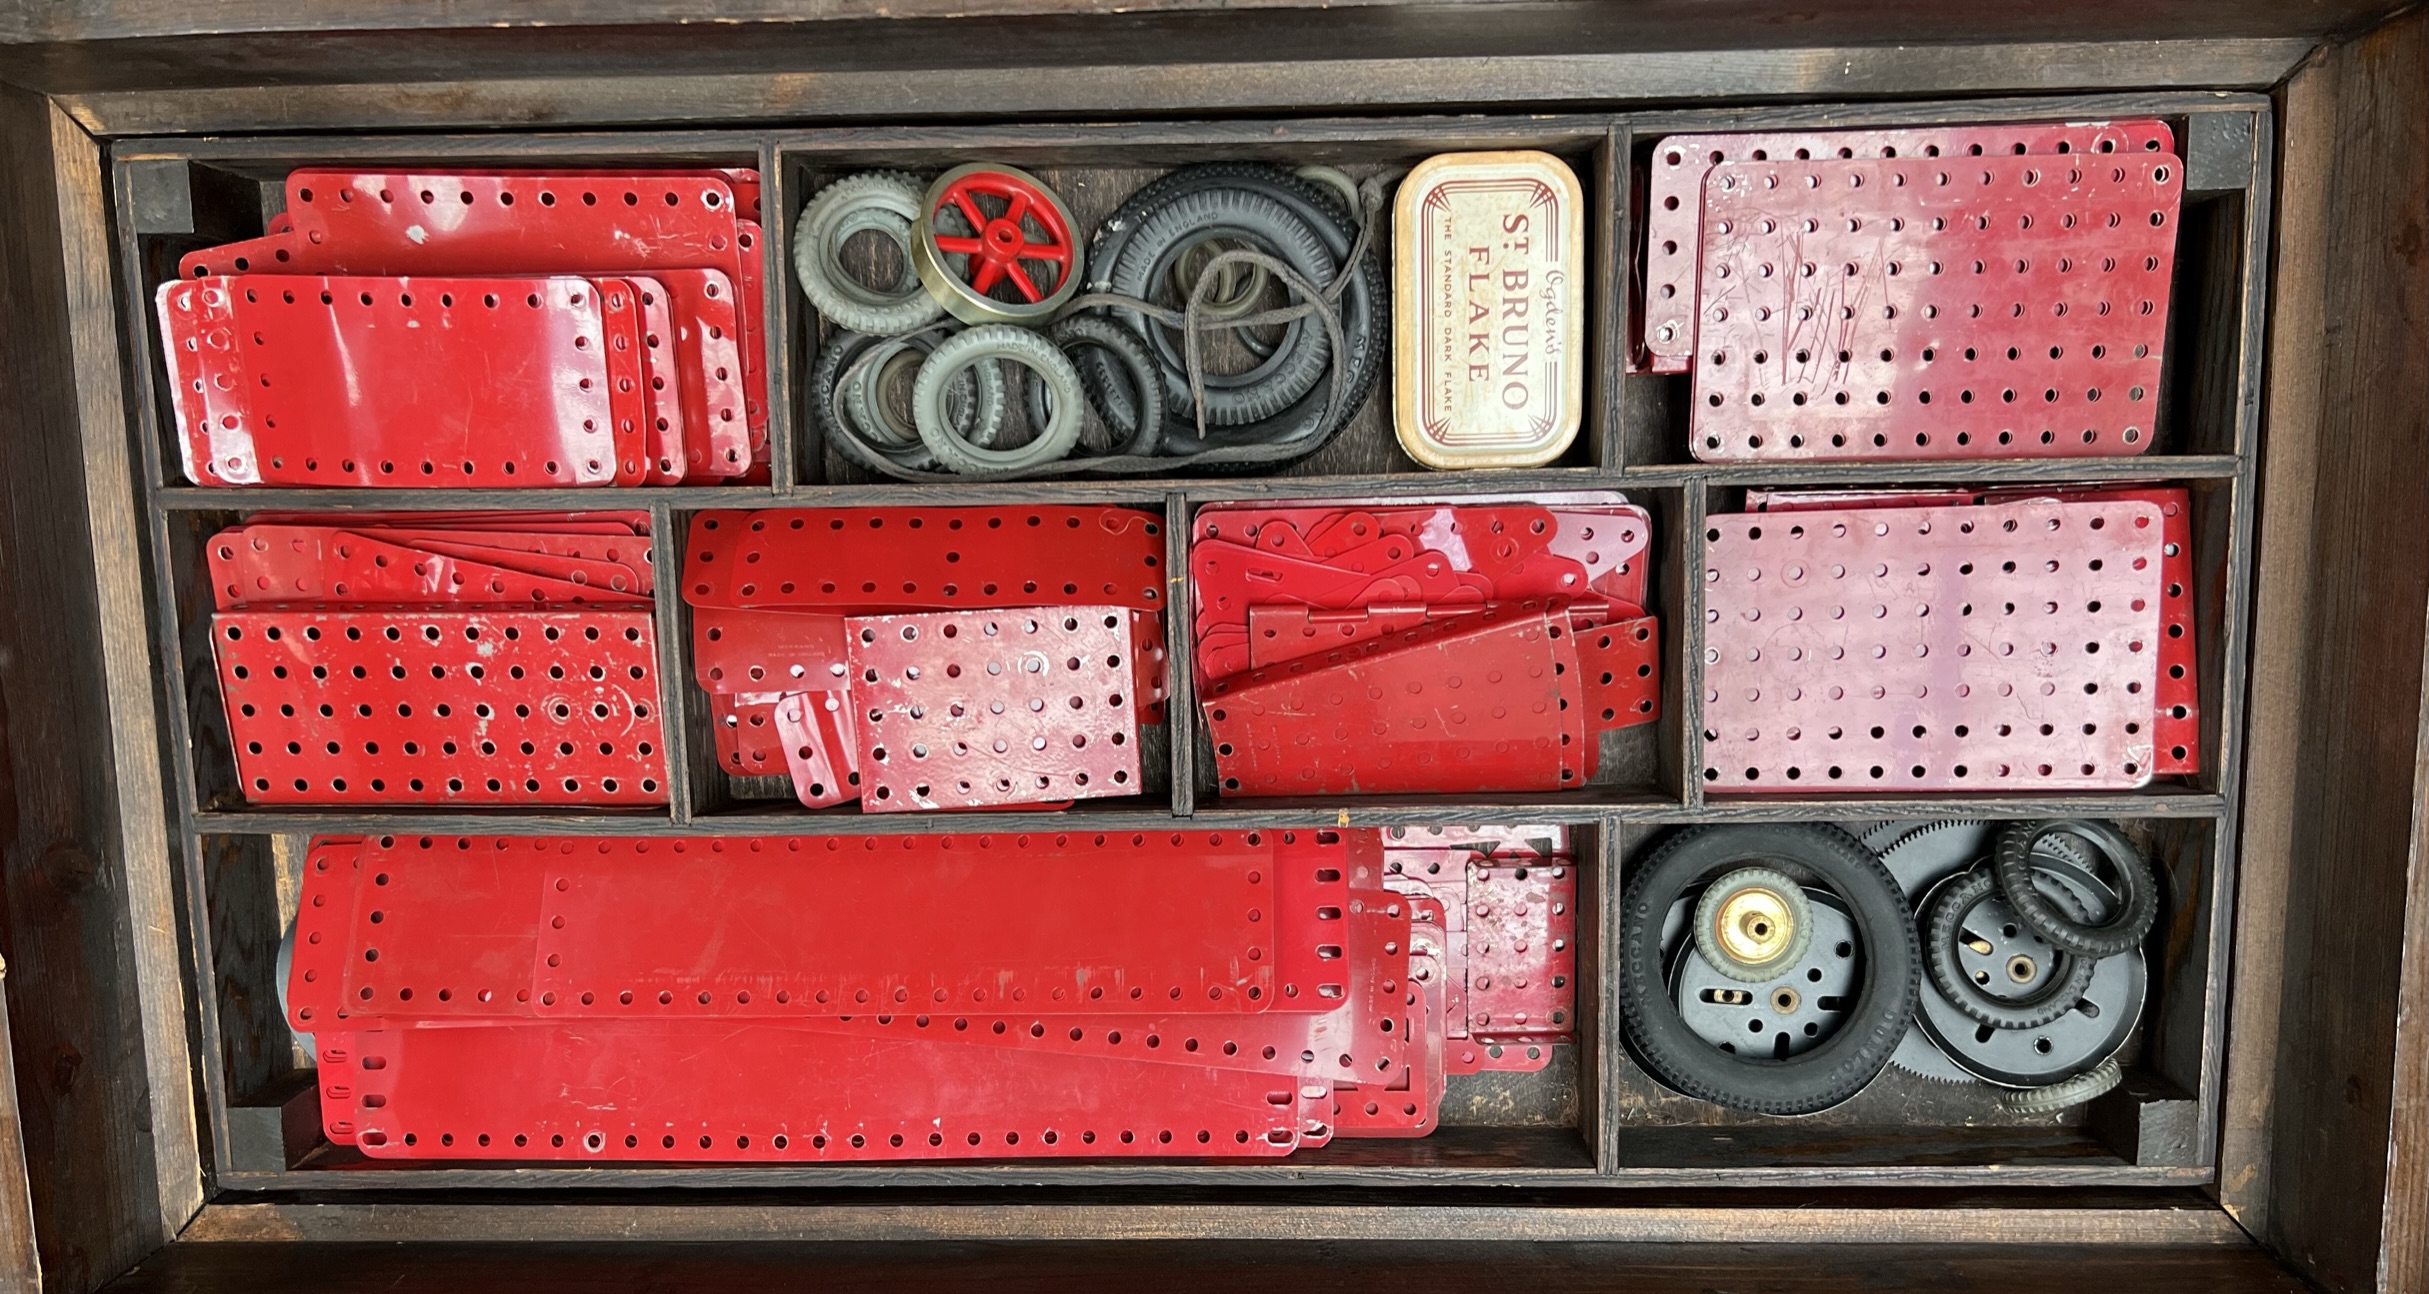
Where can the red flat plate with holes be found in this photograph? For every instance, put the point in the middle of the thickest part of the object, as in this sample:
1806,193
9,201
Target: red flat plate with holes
626,548
599,575
1496,540
463,707
605,525
1620,668
254,565
1279,633
880,560
335,1077
1997,648
2176,696
324,917
1990,307
1521,953
966,709
628,390
1675,189
1484,703
1409,1103
726,1090
1150,681
767,651
820,747
270,387
746,736
1519,841
506,224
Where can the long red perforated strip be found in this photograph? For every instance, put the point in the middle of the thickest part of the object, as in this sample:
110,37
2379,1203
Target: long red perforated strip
844,560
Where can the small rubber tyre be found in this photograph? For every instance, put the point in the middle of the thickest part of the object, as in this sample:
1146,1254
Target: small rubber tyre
1787,906
886,202
2065,1095
1128,366
983,346
2137,888
1944,924
982,404
1334,179
1811,854
978,420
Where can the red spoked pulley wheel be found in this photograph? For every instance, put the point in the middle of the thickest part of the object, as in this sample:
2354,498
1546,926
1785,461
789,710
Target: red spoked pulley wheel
995,245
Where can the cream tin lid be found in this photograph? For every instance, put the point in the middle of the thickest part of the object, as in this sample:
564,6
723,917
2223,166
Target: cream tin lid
1488,318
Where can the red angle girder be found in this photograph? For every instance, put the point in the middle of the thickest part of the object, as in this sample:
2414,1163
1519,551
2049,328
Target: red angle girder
1489,702
728,1090
1181,923
882,560
254,565
503,223
431,707
1675,191
2003,647
1933,308
967,709
270,388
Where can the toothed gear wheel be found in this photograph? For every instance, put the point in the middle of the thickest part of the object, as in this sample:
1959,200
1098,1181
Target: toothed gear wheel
1878,836
2102,1020
1917,1055
2096,1081
1923,854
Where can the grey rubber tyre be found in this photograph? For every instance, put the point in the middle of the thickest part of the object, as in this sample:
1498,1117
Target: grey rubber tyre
1797,915
984,346
1334,178
2096,1081
886,202
974,403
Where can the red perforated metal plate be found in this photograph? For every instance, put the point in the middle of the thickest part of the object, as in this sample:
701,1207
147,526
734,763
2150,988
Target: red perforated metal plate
879,560
375,223
820,747
965,709
1521,935
728,1090
1483,703
477,382
744,732
2005,647
253,565
767,651
1409,1103
599,575
1620,668
1675,192
1934,307
495,707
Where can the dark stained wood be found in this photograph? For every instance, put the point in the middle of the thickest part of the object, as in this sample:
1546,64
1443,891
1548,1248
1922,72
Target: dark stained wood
2316,1183
1019,1267
20,1259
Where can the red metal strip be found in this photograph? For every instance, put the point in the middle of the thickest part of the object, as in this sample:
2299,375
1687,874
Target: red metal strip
600,576
256,565
967,709
1933,308
729,1091
820,747
1675,189
627,378
744,731
2009,646
273,388
1484,703
767,651
466,707
883,560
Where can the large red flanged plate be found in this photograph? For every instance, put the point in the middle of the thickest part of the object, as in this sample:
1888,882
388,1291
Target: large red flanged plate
1483,703
1675,193
256,565
468,707
270,386
1091,924
968,709
1997,648
497,223
725,1090
1979,307
881,560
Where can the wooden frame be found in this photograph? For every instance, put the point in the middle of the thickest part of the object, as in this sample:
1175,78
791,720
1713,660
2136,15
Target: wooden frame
2335,437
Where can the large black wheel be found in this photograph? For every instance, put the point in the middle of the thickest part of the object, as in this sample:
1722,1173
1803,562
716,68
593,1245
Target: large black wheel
1811,854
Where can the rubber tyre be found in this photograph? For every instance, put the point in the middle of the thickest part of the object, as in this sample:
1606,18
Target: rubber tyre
1800,925
1808,853
983,345
886,202
979,423
2065,1095
1122,356
826,409
2137,888
1948,978
1365,304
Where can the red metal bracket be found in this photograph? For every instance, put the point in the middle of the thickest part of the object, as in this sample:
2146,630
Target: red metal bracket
1933,307
2009,646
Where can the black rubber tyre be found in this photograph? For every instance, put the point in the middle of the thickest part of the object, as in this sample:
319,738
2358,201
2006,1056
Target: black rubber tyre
1949,908
1121,356
2137,888
1364,304
826,409
1811,854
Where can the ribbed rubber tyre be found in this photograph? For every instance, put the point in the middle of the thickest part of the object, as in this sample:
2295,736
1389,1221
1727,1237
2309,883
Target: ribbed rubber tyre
1365,305
977,404
1707,935
1114,361
2137,888
2096,1081
1811,854
1943,926
983,346
974,402
885,202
